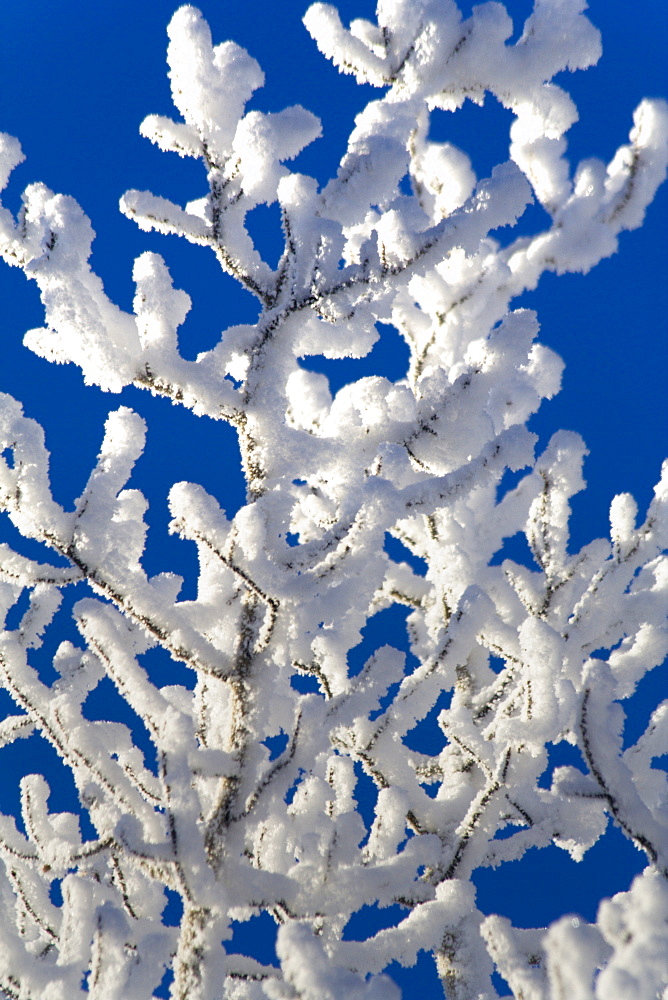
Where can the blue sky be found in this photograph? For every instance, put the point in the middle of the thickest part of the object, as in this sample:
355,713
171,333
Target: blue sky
76,79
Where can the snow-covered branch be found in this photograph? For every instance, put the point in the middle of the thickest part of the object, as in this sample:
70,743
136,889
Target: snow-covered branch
404,234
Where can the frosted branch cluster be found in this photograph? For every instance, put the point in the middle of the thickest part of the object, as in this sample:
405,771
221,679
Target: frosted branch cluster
530,657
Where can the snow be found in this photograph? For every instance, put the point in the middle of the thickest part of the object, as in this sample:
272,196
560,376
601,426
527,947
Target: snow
287,585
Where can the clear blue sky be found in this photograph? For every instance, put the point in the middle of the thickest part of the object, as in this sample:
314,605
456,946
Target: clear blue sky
76,79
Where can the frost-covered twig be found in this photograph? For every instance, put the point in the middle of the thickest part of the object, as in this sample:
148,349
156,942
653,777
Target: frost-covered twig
528,657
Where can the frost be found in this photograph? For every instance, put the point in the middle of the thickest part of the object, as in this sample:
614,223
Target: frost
185,798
